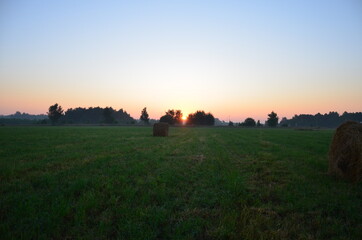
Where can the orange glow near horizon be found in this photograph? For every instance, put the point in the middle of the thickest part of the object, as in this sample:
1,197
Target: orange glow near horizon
223,111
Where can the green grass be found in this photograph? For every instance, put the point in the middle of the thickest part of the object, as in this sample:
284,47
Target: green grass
199,183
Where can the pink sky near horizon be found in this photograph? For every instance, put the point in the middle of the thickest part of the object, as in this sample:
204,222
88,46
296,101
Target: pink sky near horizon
233,111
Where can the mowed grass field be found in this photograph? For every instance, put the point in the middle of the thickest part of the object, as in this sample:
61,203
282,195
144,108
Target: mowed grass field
198,183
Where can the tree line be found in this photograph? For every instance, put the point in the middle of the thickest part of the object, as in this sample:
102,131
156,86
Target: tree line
327,120
272,121
199,118
108,115
175,117
90,115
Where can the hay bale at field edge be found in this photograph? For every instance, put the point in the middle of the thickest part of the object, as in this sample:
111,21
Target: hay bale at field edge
345,153
160,129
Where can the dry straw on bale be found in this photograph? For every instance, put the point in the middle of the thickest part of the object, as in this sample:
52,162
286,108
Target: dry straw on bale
160,129
345,153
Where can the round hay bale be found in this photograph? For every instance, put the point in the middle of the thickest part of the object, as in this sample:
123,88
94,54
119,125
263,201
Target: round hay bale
160,129
345,153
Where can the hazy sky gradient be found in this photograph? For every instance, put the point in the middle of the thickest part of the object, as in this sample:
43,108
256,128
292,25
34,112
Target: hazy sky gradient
232,58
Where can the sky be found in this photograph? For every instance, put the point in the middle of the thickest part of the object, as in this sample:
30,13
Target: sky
235,59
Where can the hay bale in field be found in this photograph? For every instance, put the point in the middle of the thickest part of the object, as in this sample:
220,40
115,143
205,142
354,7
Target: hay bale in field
160,129
345,153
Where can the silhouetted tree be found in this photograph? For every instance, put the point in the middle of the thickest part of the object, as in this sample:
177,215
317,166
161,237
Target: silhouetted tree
166,119
258,124
108,115
144,116
231,124
172,117
249,122
272,119
200,118
178,117
54,113
283,122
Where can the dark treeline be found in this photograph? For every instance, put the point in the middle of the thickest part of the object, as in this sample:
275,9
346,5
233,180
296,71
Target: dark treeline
172,117
25,116
330,120
96,115
108,115
200,118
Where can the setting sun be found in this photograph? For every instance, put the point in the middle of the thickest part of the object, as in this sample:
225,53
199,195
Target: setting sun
184,118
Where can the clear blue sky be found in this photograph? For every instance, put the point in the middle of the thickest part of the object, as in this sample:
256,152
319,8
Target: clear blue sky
233,58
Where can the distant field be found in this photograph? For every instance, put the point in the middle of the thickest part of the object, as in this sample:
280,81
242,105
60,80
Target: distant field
199,183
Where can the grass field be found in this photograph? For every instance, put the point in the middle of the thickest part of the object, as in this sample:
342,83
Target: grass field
199,183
